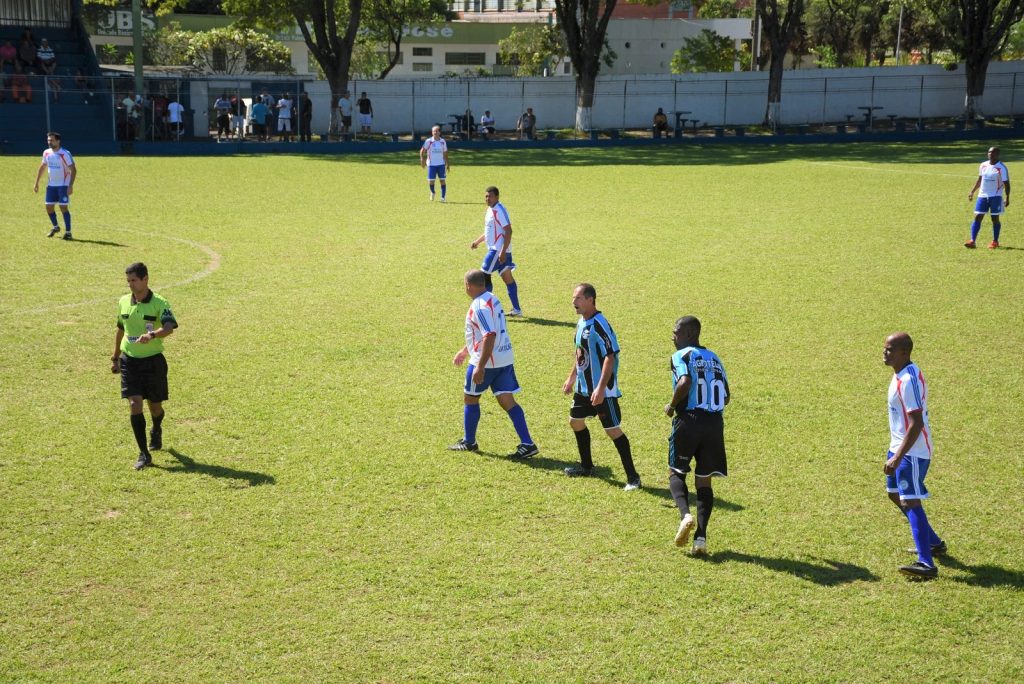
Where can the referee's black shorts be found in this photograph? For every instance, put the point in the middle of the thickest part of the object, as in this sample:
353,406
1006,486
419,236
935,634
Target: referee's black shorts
698,435
146,377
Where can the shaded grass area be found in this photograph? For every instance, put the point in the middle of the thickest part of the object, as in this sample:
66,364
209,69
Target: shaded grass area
305,522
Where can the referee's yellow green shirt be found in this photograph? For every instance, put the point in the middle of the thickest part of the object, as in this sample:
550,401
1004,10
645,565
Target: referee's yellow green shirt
139,317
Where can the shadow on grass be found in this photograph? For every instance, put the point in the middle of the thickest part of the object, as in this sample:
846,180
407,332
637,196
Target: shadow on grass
189,465
825,573
102,243
988,576
542,321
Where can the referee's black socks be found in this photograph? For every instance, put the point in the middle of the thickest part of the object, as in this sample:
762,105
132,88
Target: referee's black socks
139,428
705,502
677,485
157,420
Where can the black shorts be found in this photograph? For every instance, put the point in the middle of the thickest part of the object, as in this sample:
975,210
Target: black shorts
607,411
146,378
700,435
259,128
346,121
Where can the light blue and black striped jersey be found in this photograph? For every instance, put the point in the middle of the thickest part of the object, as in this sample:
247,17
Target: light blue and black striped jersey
595,340
709,388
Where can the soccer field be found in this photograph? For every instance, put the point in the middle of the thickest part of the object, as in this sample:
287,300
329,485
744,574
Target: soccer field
305,522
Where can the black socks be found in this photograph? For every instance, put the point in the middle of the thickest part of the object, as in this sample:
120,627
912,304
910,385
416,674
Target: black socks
139,428
583,443
622,444
705,502
677,485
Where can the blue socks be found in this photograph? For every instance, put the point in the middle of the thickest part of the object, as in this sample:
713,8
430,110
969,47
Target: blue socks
53,218
67,222
519,422
923,534
996,227
975,228
431,184
470,419
444,188
513,294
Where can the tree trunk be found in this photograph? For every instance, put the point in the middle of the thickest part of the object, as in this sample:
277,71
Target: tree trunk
977,71
337,79
775,68
585,100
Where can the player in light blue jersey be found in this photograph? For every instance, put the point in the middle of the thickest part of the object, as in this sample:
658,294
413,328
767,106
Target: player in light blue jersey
489,351
699,396
594,385
910,452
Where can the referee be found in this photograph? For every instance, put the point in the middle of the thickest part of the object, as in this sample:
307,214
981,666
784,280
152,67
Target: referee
138,356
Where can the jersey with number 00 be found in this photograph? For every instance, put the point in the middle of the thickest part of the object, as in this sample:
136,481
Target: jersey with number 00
59,165
993,178
495,221
435,151
595,340
484,318
709,388
908,393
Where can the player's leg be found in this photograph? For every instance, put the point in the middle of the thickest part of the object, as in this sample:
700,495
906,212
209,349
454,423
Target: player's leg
711,462
512,285
611,420
892,490
66,215
133,388
52,214
156,412
680,453
442,174
996,210
504,387
909,478
578,412
470,411
431,175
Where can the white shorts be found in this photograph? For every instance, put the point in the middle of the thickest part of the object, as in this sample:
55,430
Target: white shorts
237,121
366,120
284,125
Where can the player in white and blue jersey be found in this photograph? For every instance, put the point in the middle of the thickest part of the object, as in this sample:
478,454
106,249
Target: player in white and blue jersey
700,392
62,170
594,385
498,236
434,156
489,350
993,188
910,452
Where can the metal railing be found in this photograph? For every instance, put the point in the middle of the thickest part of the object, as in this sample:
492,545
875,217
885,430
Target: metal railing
49,13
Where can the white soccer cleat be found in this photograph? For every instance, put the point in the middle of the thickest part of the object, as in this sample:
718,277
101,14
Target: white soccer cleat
686,526
431,197
632,486
700,547
515,312
442,200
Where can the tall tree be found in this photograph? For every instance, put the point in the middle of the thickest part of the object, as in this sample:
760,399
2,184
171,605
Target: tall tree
976,29
780,27
585,24
320,22
706,51
386,20
529,49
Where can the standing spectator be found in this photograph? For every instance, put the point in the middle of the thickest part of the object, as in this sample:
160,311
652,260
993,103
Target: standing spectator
27,51
365,113
345,111
699,396
21,89
8,55
305,117
498,236
527,125
62,173
138,356
486,124
594,385
659,123
175,117
132,113
222,107
435,150
284,118
46,58
238,111
85,86
994,182
910,452
259,119
489,350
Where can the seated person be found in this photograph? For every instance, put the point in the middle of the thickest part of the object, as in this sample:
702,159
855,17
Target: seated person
27,53
527,125
46,58
660,123
486,124
8,55
21,89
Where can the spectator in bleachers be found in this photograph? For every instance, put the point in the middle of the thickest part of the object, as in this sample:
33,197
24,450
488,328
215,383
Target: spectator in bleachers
659,123
27,51
8,55
486,124
46,58
527,125
21,89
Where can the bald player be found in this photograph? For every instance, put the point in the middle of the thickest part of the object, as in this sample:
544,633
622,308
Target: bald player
993,188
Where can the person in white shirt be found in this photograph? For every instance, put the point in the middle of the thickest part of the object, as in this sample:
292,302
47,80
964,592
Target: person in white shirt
486,124
489,351
176,117
994,183
345,111
62,173
435,150
284,117
498,236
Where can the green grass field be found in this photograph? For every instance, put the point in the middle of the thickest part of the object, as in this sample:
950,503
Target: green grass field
305,522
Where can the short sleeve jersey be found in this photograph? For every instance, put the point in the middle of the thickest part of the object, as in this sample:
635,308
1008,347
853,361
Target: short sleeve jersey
222,105
365,106
138,317
59,164
993,178
345,105
485,318
435,150
284,108
175,110
709,387
259,112
908,393
495,221
595,340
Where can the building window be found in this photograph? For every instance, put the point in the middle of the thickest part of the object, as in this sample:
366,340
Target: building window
567,67
465,58
422,66
422,52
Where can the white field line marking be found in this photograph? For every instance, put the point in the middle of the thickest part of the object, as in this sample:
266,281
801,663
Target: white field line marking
891,170
211,266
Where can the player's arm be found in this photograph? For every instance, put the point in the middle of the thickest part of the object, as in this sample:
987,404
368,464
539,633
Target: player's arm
506,244
916,418
460,356
447,166
977,184
71,181
607,368
485,356
1006,193
423,157
39,175
476,243
571,380
114,360
681,391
